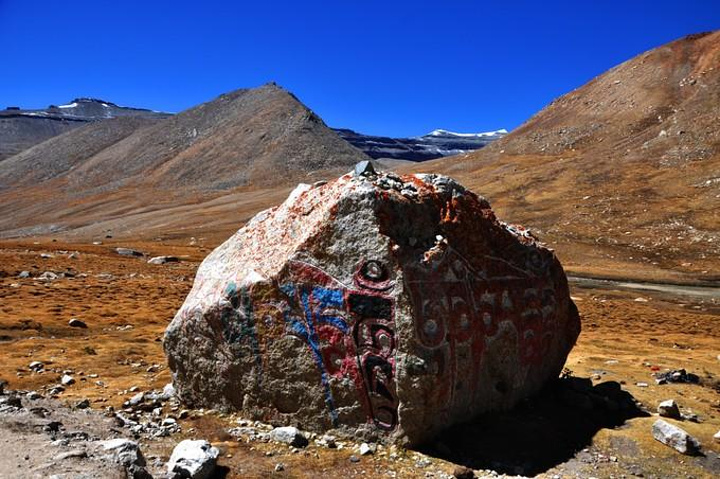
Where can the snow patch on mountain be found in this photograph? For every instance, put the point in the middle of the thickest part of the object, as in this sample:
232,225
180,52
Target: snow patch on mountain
487,134
436,144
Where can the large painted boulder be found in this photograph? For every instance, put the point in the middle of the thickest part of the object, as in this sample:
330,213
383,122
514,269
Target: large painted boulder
374,306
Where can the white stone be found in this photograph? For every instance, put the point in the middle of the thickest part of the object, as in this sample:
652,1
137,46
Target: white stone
136,399
76,323
67,380
118,443
36,366
48,276
669,408
128,454
163,260
289,435
168,391
193,459
675,437
365,449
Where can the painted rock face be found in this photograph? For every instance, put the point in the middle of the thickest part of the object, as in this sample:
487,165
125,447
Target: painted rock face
373,305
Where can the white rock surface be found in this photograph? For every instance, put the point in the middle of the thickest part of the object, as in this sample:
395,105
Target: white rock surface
163,260
127,453
193,459
36,366
675,437
289,435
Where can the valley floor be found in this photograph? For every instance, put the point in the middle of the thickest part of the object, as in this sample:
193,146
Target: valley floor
126,303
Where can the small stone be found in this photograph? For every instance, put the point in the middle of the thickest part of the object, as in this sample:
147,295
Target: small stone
48,276
127,453
365,449
36,366
55,390
128,252
78,453
423,462
641,385
164,259
12,401
669,409
689,416
76,323
677,376
354,458
279,467
462,472
67,380
136,399
365,168
84,404
168,391
716,437
675,437
24,274
193,459
184,414
329,441
33,395
52,426
289,435
168,421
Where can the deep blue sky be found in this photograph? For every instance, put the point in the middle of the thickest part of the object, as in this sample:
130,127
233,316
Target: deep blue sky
385,67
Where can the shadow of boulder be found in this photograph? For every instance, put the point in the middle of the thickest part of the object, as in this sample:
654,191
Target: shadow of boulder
539,433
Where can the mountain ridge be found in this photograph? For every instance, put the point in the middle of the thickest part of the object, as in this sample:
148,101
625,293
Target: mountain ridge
621,171
21,129
249,138
436,144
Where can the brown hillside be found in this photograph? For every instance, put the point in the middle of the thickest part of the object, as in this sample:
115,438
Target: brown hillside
247,139
622,175
59,154
262,136
21,129
17,133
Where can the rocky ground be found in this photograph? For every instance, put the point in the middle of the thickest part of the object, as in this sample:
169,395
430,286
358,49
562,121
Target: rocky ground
74,385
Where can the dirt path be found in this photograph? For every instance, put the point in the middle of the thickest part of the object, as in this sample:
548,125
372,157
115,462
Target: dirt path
708,292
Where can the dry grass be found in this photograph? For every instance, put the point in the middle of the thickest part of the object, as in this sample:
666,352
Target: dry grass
128,314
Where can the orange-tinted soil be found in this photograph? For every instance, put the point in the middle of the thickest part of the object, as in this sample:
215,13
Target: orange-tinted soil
127,304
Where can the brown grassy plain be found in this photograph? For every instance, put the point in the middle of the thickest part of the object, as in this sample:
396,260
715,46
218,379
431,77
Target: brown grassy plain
127,304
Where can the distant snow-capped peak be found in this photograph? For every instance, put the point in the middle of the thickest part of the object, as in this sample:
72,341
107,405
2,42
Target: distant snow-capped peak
487,134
